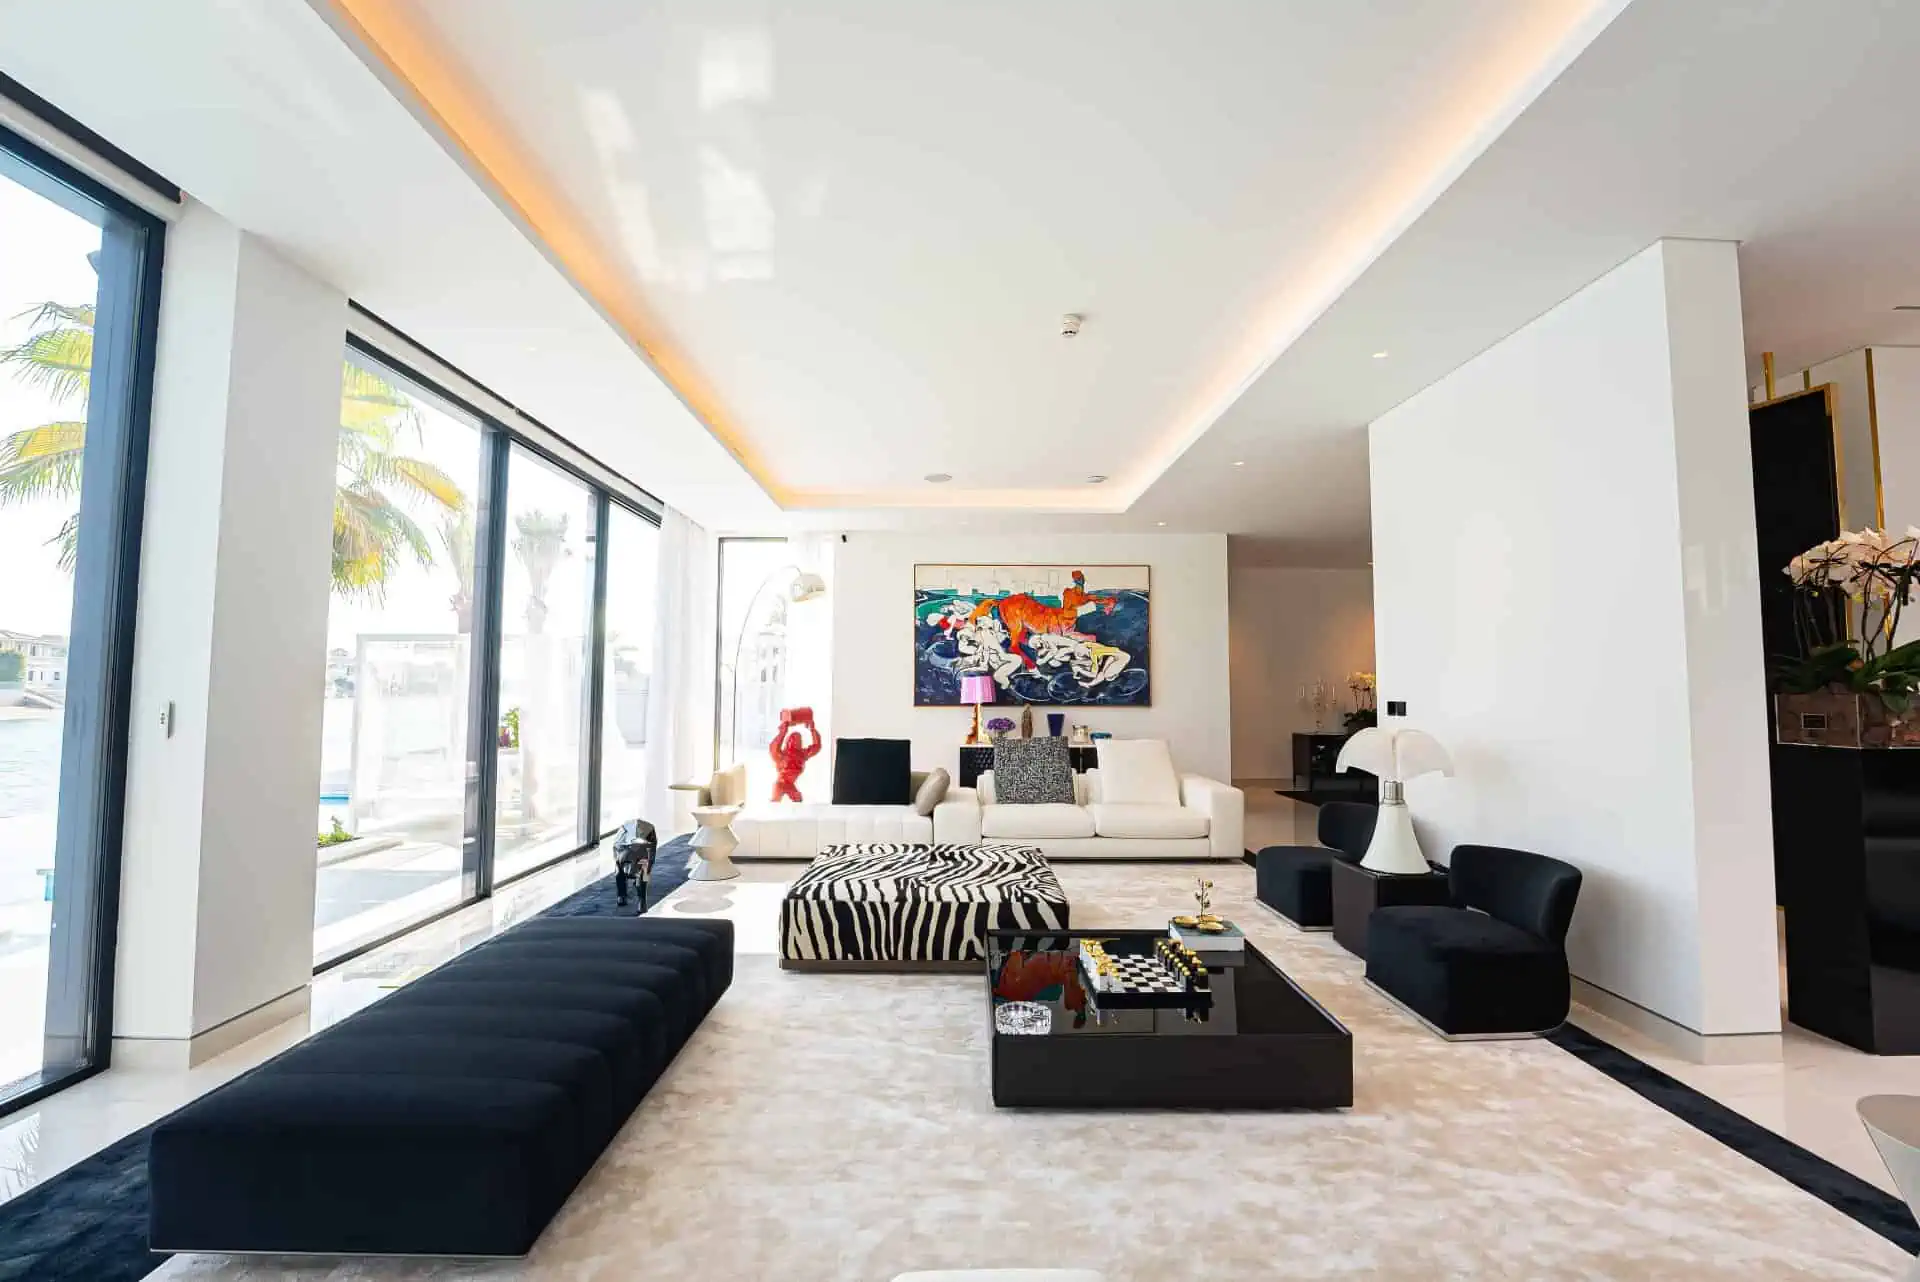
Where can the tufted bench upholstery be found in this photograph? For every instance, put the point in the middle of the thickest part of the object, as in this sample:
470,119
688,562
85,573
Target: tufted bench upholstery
453,1117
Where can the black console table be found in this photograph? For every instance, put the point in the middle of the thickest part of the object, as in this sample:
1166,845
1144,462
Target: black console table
1846,834
975,760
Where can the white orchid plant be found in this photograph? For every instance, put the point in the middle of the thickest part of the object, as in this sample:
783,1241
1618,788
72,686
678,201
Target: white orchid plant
1850,592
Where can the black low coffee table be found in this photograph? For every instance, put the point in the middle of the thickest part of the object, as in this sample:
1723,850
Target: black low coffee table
1262,1043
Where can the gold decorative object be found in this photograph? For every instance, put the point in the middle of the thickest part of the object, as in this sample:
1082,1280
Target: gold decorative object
1185,922
1212,928
1203,894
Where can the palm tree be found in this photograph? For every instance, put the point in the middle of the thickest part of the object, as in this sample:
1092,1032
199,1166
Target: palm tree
378,483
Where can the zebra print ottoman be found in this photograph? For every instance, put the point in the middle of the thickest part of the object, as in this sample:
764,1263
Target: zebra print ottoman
893,906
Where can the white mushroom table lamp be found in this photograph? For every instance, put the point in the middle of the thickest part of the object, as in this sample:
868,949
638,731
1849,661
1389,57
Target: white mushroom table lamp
1395,756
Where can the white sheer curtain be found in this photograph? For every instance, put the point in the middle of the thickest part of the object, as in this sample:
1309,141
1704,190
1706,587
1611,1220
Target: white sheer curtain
680,716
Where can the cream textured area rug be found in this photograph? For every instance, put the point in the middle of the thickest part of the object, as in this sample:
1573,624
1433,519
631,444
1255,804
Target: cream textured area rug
838,1126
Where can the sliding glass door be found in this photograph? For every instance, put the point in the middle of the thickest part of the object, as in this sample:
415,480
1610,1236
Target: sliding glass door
79,287
399,661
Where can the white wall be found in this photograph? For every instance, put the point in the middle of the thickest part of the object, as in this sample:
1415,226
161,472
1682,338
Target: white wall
1289,627
217,889
1896,385
872,599
1566,595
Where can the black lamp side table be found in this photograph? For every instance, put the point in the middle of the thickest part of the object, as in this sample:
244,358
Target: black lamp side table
975,760
1358,891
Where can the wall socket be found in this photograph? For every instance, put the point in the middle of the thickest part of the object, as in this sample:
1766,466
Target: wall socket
1396,707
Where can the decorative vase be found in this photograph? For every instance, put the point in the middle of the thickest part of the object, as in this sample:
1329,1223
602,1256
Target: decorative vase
1842,719
1056,722
1026,722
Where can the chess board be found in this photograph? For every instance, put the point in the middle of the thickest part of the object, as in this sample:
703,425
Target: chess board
1142,980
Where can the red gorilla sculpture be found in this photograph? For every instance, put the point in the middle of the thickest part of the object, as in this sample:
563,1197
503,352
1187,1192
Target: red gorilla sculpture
790,755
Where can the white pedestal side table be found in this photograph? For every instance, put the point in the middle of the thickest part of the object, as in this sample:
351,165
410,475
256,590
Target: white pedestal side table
712,842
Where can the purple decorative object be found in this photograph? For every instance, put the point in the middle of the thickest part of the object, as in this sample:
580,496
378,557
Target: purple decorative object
1000,725
1056,723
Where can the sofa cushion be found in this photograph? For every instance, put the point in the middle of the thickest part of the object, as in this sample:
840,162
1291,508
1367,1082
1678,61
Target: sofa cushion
872,772
1032,821
931,791
1030,772
1117,819
1138,772
803,830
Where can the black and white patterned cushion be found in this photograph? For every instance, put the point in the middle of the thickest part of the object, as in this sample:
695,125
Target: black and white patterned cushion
903,903
1032,772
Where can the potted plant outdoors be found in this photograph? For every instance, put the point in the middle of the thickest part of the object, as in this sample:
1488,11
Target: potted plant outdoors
1851,685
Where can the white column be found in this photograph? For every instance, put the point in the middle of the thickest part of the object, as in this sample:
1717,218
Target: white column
217,888
1566,594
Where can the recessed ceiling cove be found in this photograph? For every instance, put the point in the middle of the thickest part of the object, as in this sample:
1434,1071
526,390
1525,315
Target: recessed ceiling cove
844,230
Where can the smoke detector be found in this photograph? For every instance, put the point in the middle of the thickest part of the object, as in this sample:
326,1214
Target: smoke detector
1070,324
1098,478
939,478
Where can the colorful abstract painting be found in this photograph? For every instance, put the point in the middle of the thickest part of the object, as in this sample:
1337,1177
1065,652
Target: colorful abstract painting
1047,634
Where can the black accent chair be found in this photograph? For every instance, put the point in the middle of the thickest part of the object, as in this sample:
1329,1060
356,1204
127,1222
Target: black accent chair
453,1117
1495,963
1297,881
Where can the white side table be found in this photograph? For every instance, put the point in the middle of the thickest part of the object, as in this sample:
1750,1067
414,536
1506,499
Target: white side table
713,841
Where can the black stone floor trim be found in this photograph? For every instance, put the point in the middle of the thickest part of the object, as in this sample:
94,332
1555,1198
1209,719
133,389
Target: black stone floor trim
1841,1189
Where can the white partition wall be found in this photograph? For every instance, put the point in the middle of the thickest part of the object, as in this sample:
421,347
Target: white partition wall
216,917
1566,594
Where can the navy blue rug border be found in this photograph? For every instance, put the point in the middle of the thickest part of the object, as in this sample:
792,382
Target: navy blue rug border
89,1222
1867,1204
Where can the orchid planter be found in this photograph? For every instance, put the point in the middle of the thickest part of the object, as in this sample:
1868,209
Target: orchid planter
1843,719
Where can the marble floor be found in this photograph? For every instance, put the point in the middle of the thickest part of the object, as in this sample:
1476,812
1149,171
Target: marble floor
1807,1096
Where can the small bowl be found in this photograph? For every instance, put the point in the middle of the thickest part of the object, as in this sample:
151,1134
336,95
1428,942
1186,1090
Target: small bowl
1186,923
1212,928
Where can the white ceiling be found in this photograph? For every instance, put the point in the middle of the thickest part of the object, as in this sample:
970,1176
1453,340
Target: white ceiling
846,230
260,110
857,225
1768,124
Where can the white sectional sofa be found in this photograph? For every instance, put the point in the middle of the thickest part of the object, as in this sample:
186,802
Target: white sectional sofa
1164,815
1208,823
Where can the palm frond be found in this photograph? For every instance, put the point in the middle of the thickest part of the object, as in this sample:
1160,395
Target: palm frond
415,478
369,535
370,401
57,361
76,314
67,541
42,462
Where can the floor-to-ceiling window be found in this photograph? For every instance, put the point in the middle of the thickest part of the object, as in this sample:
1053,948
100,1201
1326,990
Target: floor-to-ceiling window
399,653
632,553
545,619
78,292
490,654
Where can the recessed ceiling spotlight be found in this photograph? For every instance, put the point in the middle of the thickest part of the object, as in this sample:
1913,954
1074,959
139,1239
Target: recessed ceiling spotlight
939,478
1239,462
1379,356
1159,522
1098,478
1070,324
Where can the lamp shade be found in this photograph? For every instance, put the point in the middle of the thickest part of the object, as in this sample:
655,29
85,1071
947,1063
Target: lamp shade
976,689
1396,754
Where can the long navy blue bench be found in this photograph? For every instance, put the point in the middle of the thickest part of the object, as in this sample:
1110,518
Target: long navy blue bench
453,1117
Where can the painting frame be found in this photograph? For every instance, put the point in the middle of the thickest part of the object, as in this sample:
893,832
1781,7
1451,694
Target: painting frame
1101,660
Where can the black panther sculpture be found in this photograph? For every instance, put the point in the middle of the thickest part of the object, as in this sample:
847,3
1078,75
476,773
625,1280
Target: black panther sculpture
633,852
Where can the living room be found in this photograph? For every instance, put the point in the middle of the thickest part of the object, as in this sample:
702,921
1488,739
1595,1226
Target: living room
975,644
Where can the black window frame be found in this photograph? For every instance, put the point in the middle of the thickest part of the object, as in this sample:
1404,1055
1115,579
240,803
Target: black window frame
77,1041
498,440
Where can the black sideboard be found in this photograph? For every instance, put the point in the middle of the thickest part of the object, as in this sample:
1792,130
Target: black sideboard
1846,825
